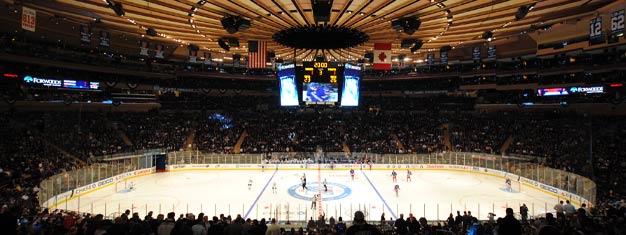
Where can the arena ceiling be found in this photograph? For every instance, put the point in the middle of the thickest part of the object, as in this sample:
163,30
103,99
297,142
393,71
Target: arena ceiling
455,23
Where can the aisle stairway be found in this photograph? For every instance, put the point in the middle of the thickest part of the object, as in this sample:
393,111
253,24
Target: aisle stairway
447,141
190,141
242,137
507,143
398,143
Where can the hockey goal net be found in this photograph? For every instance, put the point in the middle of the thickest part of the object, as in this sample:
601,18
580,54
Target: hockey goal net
122,186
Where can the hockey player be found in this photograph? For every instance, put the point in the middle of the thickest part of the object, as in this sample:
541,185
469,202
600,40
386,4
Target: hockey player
408,175
304,188
314,202
396,189
508,184
352,173
394,174
274,188
250,184
325,187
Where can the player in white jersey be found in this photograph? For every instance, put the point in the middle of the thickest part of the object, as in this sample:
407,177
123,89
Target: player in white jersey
274,188
249,184
131,186
325,187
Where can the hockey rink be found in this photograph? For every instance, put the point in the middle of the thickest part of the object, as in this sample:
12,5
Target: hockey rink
430,193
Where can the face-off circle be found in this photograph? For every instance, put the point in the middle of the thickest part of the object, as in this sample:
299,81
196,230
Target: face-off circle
335,191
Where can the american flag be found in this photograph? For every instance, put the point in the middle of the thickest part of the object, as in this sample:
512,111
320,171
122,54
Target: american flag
257,54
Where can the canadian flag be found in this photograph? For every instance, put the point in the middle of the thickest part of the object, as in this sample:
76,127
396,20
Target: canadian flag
382,56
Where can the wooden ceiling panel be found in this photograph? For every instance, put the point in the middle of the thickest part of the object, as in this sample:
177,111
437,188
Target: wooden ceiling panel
171,18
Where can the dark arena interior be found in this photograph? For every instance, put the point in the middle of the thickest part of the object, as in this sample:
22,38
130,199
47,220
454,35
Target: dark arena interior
407,117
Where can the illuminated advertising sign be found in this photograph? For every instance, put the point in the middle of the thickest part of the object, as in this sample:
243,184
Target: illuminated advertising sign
587,90
43,81
557,91
78,84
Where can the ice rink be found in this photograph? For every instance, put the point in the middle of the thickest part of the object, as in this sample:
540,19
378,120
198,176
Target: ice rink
430,193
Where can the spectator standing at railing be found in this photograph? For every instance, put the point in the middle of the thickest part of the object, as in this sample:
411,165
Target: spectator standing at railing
273,229
340,227
559,210
509,225
569,210
361,227
401,226
166,227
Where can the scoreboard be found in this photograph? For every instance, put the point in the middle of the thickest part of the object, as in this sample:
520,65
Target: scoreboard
321,72
319,83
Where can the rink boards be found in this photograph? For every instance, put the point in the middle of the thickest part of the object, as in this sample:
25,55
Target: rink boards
436,190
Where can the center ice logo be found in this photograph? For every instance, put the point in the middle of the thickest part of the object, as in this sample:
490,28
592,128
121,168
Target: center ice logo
335,191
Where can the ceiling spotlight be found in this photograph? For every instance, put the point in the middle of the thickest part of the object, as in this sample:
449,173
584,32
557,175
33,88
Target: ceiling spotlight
202,2
488,35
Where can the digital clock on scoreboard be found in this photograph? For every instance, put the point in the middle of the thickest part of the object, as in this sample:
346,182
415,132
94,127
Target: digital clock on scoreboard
320,82
321,72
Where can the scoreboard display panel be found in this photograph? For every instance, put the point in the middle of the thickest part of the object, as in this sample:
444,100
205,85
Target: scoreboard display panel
320,82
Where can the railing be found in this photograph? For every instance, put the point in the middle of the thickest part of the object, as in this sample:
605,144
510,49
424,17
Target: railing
66,185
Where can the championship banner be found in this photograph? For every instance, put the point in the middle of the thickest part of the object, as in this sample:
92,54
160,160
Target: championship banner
617,22
476,53
193,55
443,57
29,19
144,47
430,58
85,34
158,51
105,39
491,52
207,57
382,56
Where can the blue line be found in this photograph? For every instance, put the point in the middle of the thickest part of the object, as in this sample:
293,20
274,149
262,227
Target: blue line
261,193
381,197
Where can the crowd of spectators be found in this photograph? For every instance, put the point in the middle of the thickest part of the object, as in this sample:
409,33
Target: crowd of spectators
37,145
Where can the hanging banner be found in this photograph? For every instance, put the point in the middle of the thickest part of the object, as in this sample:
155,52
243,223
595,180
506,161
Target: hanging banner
430,58
617,22
144,47
491,52
443,57
193,55
595,28
207,57
105,39
29,19
158,51
85,34
476,53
